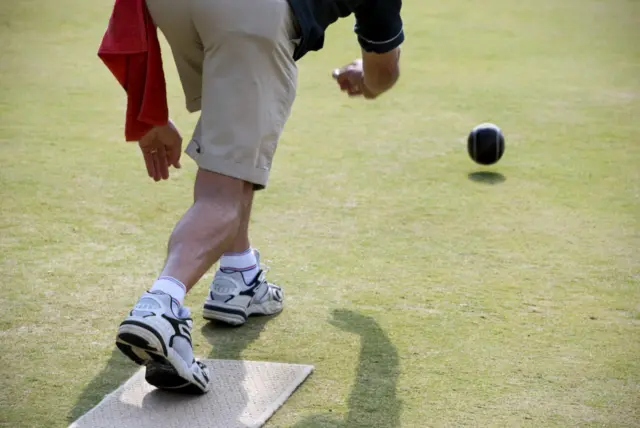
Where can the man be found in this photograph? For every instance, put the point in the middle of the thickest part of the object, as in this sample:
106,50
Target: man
237,64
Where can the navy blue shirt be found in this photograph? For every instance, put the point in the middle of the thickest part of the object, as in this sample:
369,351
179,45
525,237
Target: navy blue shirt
378,23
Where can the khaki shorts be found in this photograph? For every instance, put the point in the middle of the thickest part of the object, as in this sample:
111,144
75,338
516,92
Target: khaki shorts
235,62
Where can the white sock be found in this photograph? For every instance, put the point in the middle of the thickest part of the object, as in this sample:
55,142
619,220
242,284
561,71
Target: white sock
171,286
245,262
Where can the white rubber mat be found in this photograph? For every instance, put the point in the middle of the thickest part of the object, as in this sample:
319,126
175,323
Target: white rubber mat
243,394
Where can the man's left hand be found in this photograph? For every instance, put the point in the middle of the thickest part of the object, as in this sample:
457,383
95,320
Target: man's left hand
161,148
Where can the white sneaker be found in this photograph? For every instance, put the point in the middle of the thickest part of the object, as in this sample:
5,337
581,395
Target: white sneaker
232,300
157,334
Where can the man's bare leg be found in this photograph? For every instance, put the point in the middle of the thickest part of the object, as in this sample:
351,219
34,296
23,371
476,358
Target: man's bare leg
209,228
156,332
240,256
239,289
241,241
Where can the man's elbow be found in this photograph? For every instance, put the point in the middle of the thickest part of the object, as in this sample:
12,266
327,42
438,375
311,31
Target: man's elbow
382,80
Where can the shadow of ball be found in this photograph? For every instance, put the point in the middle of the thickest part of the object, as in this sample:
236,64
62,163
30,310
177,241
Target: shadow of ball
487,177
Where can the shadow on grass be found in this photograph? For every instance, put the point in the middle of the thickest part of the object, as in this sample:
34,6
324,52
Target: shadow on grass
372,401
228,342
487,177
118,369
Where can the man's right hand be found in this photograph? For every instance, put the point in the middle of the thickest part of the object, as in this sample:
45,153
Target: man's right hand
161,148
350,78
370,76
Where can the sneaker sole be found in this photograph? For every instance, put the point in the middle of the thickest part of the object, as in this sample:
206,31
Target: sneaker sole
165,369
214,311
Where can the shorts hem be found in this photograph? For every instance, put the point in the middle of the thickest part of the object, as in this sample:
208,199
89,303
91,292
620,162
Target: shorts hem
210,162
194,105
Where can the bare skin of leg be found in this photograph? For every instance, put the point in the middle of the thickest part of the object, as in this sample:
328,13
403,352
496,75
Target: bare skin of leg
241,243
209,228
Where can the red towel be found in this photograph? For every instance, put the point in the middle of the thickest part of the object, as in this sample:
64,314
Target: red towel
131,50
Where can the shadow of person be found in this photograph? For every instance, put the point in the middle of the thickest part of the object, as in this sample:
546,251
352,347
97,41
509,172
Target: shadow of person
228,342
487,177
372,402
118,369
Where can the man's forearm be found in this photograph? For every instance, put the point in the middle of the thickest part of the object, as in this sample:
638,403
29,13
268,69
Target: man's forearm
381,71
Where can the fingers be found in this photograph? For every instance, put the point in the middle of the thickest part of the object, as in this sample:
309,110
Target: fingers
161,149
352,84
354,89
157,175
173,154
345,81
160,159
350,79
155,160
148,161
173,157
172,141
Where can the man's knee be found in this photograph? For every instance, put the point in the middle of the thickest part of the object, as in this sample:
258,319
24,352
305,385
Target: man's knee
211,184
231,196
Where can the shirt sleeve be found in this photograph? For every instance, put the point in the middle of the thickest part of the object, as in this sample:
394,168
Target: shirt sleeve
379,25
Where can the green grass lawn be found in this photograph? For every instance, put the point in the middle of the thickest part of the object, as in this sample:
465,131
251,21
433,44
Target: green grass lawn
423,295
